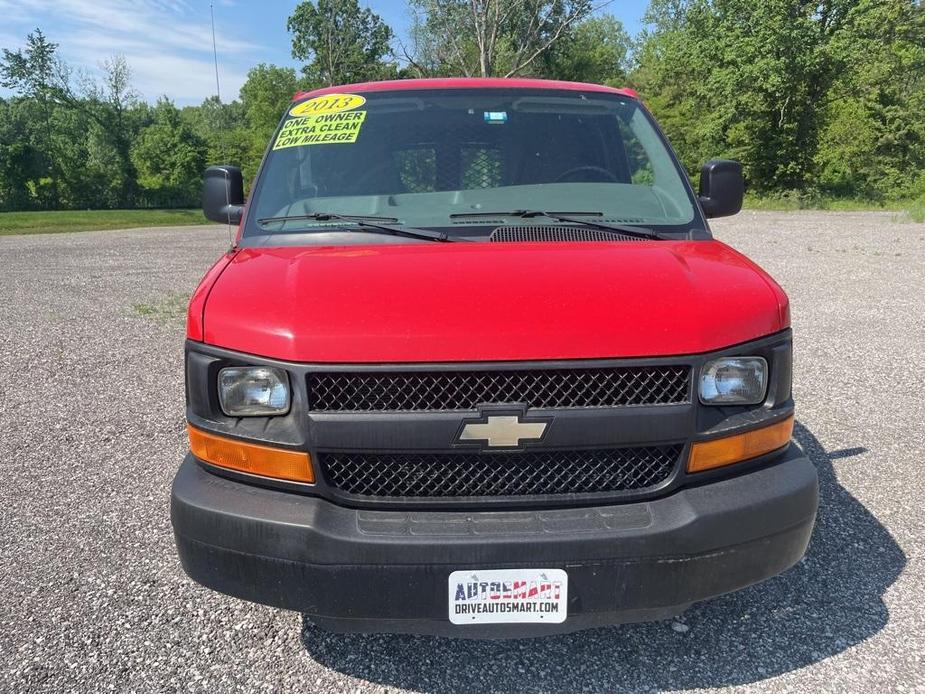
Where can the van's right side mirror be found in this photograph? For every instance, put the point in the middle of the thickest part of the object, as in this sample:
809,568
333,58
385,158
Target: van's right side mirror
722,187
223,194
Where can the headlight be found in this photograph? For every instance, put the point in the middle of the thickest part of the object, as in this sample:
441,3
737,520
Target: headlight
734,381
253,391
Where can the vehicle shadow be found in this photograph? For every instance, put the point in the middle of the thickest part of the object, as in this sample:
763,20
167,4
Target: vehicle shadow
827,603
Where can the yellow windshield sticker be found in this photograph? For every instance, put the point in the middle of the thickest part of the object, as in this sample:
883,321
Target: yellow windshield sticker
323,129
329,103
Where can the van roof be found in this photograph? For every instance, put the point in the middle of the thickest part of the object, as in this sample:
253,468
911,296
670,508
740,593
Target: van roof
464,83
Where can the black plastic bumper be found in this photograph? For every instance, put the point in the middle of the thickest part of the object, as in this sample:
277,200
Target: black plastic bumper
355,570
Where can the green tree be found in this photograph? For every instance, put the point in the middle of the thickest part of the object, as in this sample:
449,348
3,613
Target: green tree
31,73
20,162
222,127
265,96
873,141
82,130
489,37
595,50
341,42
811,96
742,79
109,107
169,158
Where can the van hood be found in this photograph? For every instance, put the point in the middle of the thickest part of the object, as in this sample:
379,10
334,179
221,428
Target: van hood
490,302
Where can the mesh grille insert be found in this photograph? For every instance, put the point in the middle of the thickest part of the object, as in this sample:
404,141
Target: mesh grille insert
512,234
441,391
498,474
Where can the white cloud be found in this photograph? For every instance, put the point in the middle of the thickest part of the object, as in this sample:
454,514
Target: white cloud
168,43
186,80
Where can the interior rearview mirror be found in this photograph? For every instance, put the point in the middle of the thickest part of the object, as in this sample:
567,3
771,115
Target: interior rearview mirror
223,194
722,187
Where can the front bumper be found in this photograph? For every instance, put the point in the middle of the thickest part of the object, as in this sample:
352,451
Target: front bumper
358,570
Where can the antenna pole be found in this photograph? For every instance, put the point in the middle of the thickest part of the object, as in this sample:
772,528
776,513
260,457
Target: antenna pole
218,91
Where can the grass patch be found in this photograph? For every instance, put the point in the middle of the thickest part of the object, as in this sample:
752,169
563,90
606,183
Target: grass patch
169,309
916,210
798,201
54,222
909,210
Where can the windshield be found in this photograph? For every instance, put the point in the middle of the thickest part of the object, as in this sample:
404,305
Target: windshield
428,159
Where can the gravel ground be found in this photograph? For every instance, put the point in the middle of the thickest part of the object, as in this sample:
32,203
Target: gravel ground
91,431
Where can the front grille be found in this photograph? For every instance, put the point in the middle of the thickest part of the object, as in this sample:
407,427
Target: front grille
498,474
440,391
549,234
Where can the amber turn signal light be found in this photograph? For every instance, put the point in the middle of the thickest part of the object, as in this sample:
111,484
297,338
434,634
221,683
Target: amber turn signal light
251,458
707,455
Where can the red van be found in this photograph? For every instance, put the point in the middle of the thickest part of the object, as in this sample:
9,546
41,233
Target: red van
475,366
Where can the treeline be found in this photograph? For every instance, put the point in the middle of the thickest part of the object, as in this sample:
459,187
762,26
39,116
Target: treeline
817,99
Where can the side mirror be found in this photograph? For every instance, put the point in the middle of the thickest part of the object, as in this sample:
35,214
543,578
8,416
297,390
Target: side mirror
223,194
722,187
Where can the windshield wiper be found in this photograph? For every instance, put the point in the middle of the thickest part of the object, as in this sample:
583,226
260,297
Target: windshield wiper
375,224
573,218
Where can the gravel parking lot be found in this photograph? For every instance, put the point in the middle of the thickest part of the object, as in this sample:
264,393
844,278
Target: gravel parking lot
92,430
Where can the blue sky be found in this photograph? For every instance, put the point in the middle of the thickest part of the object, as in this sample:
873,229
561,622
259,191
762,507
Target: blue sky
168,42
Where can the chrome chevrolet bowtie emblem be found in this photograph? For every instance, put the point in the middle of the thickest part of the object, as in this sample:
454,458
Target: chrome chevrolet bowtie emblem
503,431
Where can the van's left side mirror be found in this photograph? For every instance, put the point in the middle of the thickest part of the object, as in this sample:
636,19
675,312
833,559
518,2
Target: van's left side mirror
223,194
722,187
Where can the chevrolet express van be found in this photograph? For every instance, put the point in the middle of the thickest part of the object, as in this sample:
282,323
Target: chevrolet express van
475,366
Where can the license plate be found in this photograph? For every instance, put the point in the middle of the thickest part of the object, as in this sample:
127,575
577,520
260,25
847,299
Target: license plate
501,596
